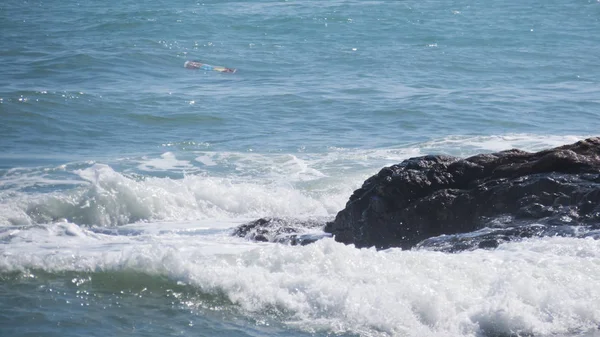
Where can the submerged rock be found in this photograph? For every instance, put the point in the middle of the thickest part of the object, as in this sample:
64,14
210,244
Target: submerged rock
490,238
430,196
290,231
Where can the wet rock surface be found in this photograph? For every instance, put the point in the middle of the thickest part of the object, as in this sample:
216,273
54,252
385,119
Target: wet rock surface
280,230
432,196
490,238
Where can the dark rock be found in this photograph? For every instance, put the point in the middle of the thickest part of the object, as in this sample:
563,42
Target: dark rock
429,196
290,231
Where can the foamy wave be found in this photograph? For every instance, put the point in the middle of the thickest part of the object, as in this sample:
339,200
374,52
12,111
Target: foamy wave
215,185
524,289
543,287
167,161
111,198
470,145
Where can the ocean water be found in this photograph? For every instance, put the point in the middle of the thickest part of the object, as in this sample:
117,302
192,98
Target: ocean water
122,173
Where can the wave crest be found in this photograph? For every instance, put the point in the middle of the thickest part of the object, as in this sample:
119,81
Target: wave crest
109,198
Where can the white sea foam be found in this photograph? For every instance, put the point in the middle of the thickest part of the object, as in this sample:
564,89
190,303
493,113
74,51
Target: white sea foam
217,185
544,287
205,160
111,198
470,145
166,161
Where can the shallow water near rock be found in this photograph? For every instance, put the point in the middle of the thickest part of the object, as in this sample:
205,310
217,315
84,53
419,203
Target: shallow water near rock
123,174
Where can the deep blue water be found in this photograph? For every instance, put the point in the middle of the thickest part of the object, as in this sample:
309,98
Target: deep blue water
101,127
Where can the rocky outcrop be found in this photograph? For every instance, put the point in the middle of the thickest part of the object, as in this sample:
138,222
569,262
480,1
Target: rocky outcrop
289,231
430,196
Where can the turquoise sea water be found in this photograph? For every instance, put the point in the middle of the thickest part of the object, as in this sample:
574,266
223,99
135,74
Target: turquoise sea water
122,172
